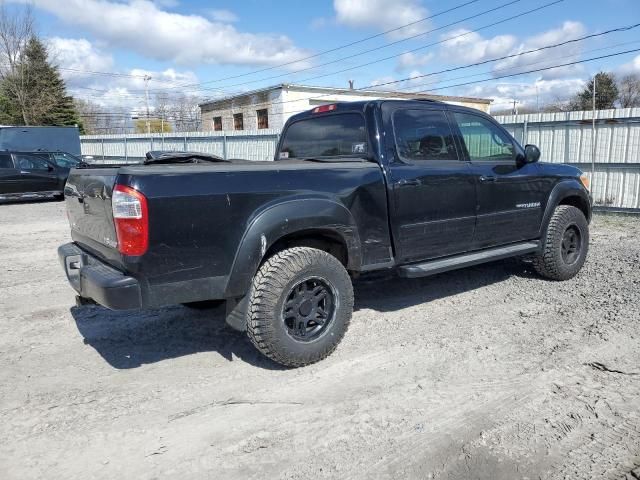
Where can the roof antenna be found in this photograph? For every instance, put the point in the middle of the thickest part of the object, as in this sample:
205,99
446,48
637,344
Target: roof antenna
350,84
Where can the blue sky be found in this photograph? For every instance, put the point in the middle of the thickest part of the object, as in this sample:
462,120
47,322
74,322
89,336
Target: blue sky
189,46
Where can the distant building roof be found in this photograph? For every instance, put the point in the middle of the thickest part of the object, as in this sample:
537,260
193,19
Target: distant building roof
348,91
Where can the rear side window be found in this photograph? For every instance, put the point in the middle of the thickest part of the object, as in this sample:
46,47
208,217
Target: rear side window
31,162
424,135
5,160
328,136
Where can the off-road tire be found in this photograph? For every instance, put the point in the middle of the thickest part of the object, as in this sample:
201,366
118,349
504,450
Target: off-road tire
550,262
272,285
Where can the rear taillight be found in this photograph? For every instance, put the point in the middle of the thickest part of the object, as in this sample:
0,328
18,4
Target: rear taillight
131,219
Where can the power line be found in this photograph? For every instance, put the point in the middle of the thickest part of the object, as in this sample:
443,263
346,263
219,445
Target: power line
364,52
308,57
514,55
496,59
407,94
455,37
491,72
334,49
534,71
545,47
505,76
408,51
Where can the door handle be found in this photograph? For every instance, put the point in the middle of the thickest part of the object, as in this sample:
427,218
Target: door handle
484,178
414,182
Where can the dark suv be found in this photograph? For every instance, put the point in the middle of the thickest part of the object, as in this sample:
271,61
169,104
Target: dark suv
34,174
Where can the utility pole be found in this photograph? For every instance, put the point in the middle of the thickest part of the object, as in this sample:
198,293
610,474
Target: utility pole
146,95
514,110
593,134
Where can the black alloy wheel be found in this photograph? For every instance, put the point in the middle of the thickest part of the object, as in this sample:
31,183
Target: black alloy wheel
309,309
571,245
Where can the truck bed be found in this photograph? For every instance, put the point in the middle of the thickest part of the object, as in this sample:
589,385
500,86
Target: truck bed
200,216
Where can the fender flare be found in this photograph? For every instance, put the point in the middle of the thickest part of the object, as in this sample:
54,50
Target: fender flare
282,219
562,190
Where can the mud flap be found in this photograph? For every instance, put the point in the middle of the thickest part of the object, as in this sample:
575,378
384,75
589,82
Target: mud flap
237,312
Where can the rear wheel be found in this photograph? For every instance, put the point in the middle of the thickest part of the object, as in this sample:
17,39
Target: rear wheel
565,245
300,306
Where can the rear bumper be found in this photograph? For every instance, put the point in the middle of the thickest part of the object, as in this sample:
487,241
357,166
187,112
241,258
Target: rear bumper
96,280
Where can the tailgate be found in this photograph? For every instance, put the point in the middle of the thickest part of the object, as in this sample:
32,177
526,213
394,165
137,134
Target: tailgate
88,198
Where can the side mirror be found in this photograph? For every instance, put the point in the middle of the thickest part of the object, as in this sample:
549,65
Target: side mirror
50,168
531,154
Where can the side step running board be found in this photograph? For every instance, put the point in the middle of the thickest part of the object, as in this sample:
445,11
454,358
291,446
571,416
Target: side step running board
450,263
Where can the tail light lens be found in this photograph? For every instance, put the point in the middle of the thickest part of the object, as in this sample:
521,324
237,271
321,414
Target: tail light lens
131,219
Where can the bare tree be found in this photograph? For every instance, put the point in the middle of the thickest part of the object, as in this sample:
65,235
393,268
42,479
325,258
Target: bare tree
89,113
16,29
185,111
629,91
560,105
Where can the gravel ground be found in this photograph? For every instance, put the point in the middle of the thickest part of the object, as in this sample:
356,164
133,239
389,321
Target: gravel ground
486,373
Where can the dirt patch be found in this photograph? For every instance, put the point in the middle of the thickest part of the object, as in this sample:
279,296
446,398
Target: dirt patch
488,372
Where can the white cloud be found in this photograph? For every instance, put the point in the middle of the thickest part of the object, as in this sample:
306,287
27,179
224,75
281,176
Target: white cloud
548,57
382,15
141,26
224,16
630,67
78,55
410,60
471,47
529,95
123,89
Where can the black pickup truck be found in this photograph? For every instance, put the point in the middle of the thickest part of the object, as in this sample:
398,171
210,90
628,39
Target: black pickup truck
413,187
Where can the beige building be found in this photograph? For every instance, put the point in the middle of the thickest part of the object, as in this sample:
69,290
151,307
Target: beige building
270,108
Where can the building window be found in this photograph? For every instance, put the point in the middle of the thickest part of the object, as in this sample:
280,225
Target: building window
238,123
263,118
217,123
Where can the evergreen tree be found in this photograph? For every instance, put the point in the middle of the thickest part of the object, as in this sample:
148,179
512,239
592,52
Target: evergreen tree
37,91
606,93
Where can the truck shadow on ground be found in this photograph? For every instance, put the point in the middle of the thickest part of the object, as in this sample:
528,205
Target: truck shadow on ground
131,339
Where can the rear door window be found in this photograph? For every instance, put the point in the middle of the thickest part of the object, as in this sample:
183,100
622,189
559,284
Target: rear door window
327,136
31,162
424,135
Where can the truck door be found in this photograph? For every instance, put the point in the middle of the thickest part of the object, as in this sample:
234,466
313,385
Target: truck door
37,174
510,192
432,189
8,175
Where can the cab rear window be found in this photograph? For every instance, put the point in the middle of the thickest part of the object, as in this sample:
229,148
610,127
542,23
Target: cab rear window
326,136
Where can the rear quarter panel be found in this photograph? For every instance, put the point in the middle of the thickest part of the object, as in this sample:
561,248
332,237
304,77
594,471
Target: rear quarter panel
200,216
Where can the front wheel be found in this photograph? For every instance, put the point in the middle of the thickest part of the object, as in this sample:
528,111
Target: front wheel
565,245
300,306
